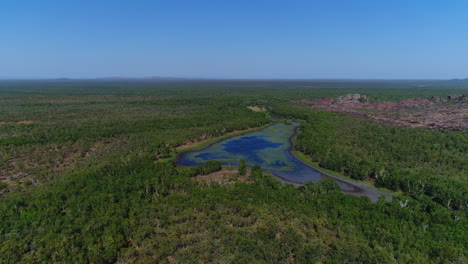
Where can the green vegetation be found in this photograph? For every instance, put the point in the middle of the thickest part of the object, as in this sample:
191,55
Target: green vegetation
420,162
242,167
92,179
306,159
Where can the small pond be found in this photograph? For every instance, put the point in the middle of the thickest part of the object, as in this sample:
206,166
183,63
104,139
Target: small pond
269,148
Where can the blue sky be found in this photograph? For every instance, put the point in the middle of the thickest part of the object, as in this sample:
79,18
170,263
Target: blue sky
234,39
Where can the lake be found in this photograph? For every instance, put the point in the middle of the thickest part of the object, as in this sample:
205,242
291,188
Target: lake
271,149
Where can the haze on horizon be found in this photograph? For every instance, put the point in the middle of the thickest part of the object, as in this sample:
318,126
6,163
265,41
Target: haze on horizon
359,39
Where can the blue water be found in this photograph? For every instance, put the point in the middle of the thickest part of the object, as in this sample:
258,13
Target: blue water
269,148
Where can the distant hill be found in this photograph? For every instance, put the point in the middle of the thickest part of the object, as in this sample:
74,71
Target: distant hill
456,80
459,83
116,78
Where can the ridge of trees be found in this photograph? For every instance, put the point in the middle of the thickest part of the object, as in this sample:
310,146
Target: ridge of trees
419,162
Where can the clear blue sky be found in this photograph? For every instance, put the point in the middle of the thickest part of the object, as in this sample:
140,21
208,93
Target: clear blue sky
234,39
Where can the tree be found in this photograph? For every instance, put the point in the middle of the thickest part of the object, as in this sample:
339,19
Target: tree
256,172
242,167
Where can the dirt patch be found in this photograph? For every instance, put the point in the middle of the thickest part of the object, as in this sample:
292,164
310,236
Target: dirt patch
23,122
257,108
191,144
171,259
98,145
225,177
450,112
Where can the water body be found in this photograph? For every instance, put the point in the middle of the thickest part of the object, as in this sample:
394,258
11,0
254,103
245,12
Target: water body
270,148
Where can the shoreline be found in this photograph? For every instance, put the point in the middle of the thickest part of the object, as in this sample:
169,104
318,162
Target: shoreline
361,189
364,189
207,143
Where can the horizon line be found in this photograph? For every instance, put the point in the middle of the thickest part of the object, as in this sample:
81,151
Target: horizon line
155,78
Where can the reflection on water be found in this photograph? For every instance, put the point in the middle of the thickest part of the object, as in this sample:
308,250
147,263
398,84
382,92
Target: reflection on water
268,148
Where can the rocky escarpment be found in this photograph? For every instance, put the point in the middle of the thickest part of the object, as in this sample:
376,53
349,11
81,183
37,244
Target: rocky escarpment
450,112
456,99
351,98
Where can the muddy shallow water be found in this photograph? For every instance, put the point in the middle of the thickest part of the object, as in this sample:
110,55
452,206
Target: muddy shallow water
270,148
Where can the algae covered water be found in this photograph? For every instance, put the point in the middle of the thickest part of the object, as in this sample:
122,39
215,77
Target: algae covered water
269,148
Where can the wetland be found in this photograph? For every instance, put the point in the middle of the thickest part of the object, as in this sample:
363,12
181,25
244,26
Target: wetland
271,148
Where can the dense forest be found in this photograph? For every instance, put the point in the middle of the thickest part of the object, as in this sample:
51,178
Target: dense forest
419,162
86,177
